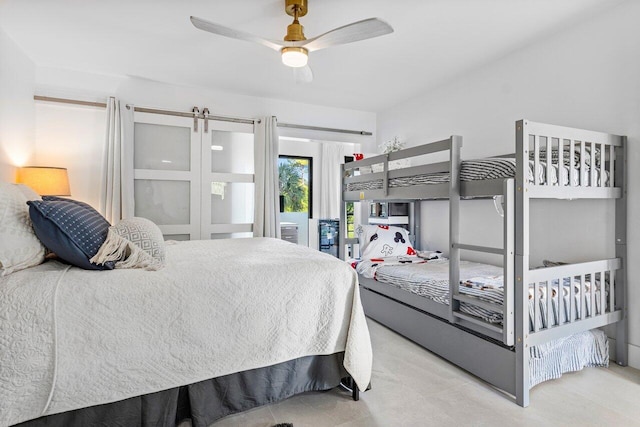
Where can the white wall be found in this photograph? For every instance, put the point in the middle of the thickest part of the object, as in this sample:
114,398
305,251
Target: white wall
72,137
17,114
585,77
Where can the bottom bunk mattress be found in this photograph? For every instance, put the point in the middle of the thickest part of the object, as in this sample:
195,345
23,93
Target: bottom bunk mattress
485,282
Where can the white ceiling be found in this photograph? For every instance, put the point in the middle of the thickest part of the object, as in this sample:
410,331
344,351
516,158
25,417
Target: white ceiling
434,41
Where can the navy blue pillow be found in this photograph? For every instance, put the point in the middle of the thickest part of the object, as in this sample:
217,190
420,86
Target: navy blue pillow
73,230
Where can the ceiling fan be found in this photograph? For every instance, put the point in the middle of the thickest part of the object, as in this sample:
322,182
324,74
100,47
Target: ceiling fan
295,47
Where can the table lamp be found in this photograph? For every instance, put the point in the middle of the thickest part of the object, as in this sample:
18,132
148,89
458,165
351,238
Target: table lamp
46,181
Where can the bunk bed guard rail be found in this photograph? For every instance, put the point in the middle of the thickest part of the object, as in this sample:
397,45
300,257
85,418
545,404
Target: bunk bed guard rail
359,172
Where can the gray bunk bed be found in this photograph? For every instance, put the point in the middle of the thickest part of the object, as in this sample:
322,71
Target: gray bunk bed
550,162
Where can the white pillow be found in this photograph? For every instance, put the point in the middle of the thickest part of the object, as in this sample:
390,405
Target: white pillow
133,243
379,241
19,245
364,233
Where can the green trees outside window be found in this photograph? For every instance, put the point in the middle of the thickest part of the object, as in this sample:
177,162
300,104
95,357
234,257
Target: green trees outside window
295,185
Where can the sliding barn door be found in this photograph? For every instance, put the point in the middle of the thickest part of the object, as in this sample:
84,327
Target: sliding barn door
227,180
167,174
195,180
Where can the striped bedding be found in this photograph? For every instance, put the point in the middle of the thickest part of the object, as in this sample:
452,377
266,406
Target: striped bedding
482,281
547,361
484,169
550,360
431,280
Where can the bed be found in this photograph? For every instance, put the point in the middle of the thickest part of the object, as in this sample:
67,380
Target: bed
429,280
224,327
500,336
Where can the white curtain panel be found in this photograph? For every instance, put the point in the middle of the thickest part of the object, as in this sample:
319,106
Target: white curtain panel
126,194
116,195
266,221
332,157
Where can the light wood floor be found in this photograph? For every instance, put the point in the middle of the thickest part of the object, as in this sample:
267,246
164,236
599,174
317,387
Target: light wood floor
413,387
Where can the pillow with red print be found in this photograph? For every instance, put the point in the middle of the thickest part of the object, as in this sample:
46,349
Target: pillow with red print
379,241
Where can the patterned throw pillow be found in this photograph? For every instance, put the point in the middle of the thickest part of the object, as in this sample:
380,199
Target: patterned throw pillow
73,230
385,241
19,245
133,243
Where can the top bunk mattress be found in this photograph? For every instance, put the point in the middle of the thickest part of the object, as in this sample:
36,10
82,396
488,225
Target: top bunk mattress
486,169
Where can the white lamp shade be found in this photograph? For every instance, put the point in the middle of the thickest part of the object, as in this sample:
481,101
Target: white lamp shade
45,181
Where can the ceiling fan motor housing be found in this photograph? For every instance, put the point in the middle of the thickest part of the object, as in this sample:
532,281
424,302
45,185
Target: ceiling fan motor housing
295,31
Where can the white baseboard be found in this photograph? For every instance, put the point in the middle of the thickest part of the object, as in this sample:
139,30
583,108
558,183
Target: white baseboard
634,356
634,353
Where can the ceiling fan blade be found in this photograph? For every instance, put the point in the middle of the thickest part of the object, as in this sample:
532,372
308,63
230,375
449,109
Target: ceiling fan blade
361,30
221,30
303,74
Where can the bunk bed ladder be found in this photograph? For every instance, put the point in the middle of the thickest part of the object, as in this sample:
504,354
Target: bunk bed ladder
454,229
506,332
508,319
522,262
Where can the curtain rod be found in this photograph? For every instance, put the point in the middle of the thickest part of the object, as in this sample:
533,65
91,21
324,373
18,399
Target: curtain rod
70,101
195,115
148,110
347,131
198,115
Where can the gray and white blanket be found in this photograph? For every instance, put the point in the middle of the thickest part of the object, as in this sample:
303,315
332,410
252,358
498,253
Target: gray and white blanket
431,280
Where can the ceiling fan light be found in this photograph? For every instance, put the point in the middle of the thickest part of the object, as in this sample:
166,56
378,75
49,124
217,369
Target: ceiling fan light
294,56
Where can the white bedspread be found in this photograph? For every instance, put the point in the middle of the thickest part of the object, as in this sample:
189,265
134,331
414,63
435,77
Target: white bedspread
219,307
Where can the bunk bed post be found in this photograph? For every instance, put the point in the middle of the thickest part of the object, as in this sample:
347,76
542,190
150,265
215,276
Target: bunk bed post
454,225
508,262
620,180
343,227
414,220
522,264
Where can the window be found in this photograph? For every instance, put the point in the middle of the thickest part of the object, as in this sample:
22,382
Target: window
296,189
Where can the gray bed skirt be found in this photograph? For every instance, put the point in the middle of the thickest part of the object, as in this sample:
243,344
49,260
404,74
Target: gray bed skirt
207,401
